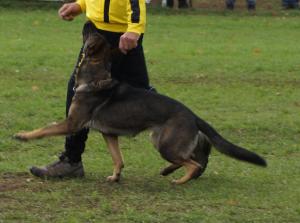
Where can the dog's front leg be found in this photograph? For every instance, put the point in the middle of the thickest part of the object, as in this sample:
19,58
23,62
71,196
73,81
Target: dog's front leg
113,147
61,128
77,118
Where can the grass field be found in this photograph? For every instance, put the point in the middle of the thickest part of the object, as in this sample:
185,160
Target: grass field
239,72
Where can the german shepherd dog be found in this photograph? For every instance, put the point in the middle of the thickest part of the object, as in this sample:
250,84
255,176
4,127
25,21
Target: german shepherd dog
117,109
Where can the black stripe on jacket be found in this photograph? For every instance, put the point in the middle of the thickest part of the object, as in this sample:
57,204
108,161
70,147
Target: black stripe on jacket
135,7
106,11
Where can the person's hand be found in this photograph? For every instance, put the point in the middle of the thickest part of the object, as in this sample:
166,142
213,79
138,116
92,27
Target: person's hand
69,11
128,41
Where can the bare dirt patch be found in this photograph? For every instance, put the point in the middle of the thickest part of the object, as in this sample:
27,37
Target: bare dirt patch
13,181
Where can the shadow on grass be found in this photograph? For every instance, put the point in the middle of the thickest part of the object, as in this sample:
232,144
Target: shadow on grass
19,181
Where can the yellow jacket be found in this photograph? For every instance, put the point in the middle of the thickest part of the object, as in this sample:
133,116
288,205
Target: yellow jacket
116,15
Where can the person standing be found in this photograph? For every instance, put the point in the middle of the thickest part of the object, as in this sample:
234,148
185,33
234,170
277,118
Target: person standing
251,4
122,23
181,4
290,4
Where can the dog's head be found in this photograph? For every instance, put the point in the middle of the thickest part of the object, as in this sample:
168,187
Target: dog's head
94,67
96,46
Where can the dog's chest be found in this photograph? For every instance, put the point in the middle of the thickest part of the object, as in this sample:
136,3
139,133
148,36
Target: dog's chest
109,129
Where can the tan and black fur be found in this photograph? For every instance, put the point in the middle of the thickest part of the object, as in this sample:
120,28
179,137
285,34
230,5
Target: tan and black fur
117,109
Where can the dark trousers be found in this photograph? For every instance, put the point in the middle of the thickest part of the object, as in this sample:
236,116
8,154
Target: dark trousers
181,3
290,4
130,68
250,4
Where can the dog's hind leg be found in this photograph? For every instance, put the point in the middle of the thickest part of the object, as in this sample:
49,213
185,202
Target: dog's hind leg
200,155
170,169
155,138
192,168
176,143
113,146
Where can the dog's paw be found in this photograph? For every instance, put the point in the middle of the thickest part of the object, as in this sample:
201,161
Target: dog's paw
175,182
113,178
22,136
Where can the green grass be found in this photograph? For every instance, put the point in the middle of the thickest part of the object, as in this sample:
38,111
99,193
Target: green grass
239,72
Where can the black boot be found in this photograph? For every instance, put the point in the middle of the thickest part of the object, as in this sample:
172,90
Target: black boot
59,169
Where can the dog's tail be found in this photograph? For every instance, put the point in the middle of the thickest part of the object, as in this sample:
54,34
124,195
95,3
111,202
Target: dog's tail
226,147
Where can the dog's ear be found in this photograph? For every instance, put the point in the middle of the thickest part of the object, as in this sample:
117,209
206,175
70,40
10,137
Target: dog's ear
88,29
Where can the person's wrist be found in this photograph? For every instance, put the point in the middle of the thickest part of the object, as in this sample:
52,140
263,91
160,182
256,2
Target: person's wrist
77,8
133,35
